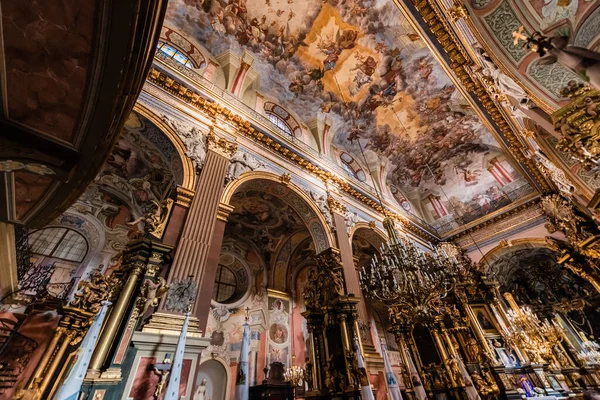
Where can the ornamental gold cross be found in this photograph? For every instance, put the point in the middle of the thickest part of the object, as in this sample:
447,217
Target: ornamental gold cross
518,35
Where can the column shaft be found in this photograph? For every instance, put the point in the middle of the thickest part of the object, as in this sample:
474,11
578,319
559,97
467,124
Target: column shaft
112,325
210,273
350,273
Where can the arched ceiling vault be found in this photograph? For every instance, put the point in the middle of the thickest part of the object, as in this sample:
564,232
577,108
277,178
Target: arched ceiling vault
363,66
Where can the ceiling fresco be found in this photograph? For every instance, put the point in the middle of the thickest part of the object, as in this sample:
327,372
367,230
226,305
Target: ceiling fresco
262,218
360,63
534,276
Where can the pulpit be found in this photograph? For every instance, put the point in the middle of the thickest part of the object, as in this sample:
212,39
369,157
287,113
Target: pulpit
274,387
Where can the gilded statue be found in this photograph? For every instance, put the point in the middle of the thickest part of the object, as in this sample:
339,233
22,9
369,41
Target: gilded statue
151,293
473,350
154,217
484,390
91,293
454,370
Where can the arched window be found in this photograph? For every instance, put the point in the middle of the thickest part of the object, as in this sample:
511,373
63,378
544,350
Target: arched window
63,243
283,119
175,54
225,285
352,167
274,118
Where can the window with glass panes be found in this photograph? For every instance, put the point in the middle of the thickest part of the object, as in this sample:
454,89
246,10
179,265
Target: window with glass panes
58,242
175,54
277,120
225,284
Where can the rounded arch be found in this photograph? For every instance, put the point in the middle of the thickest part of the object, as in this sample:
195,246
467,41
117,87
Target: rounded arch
215,369
286,117
178,41
189,174
293,195
352,166
506,247
378,235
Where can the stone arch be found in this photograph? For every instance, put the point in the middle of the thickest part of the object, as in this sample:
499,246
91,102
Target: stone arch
292,122
294,196
189,174
508,247
376,236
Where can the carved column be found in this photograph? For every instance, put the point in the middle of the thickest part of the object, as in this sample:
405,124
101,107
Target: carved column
70,331
192,256
399,333
210,272
142,257
8,260
350,273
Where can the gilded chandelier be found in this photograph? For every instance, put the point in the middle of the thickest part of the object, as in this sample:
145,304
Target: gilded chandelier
527,332
294,374
590,352
411,282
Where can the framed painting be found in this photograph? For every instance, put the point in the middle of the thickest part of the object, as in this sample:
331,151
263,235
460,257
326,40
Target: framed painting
485,319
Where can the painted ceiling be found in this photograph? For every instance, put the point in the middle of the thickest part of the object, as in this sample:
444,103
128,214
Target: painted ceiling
497,19
360,63
264,219
533,275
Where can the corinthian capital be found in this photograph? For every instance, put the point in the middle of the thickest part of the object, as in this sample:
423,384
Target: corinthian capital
220,145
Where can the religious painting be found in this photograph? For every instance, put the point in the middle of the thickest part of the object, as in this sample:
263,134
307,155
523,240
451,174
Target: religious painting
138,170
300,329
279,327
506,356
484,319
363,66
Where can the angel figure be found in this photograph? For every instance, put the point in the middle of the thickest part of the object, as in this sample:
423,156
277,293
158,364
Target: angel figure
153,292
152,219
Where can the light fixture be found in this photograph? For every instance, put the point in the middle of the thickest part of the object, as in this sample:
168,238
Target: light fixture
294,374
410,281
528,333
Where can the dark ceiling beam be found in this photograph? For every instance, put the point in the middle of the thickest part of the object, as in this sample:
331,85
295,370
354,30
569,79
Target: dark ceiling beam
122,53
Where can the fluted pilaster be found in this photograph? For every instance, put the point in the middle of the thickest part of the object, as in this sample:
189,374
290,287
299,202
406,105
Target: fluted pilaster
192,259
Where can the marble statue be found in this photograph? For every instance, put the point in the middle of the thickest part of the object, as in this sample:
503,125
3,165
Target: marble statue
200,393
193,139
505,83
242,162
323,206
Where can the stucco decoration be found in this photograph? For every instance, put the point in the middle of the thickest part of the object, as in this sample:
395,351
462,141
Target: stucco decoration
552,77
193,139
242,162
480,4
502,23
589,178
589,30
361,65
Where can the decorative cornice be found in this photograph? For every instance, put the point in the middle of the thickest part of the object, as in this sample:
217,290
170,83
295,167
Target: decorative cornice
223,211
221,146
214,110
479,229
184,197
459,63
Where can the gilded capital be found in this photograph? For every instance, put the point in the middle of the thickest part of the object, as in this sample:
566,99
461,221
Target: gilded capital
457,12
221,146
184,197
336,206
